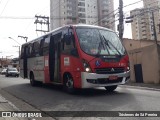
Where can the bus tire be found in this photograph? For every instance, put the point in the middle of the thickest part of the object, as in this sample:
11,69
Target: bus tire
32,80
110,88
68,84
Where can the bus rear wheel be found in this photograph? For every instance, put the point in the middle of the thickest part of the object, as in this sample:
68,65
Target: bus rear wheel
69,84
32,80
111,88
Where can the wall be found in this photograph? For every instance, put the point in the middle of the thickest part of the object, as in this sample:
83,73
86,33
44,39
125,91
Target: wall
131,44
148,57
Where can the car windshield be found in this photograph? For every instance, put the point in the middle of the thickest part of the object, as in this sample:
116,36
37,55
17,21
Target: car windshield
95,41
12,69
4,70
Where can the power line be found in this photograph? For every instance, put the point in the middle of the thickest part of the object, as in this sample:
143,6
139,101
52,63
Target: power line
140,14
23,17
44,9
42,20
4,7
114,11
60,3
148,10
0,1
15,17
104,17
28,26
151,10
132,3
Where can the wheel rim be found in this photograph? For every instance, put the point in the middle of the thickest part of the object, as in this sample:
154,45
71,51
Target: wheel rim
69,82
31,80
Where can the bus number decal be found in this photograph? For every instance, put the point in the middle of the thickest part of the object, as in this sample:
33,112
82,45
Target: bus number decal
66,61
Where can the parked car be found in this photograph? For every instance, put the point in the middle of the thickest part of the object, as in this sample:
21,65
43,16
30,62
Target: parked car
3,71
12,72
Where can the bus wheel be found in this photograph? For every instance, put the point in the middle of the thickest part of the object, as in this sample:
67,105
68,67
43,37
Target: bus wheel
111,88
69,84
32,81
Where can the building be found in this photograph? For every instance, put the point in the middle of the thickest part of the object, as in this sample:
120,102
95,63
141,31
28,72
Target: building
144,67
96,12
4,63
105,10
142,25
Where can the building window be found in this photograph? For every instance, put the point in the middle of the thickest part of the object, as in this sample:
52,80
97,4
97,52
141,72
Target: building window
130,44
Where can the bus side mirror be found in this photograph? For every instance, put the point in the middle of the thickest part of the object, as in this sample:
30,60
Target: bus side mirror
68,38
74,52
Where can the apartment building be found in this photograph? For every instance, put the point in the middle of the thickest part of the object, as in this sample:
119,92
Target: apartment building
96,12
142,25
105,7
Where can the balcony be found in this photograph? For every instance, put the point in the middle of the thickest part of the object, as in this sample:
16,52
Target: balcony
81,15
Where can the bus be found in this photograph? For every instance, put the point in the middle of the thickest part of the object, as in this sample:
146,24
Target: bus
76,56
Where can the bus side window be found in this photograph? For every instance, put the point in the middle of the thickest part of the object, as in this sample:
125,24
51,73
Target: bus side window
30,50
35,49
22,52
44,46
41,47
28,53
57,38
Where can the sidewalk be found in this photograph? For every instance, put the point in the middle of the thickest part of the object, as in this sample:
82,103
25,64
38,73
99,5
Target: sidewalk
5,105
143,86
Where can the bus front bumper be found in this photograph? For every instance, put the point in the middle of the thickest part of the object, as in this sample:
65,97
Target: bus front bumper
91,80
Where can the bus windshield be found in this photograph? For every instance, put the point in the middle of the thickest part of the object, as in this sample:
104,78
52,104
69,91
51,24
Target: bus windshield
95,41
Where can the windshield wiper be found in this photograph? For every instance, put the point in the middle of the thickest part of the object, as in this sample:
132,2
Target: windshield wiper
107,41
101,44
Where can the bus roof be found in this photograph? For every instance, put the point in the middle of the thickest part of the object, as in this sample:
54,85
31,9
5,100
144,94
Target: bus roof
92,26
71,25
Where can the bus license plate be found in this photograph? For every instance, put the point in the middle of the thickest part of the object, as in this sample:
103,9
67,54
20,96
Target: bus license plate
113,77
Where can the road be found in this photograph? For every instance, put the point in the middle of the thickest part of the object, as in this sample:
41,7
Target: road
53,98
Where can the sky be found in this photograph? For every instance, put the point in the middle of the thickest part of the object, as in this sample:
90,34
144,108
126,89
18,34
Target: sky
17,18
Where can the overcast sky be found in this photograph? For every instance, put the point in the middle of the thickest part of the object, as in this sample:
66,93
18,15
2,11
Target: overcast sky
11,26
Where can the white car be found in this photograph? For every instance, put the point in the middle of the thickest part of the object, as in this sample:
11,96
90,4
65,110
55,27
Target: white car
12,72
3,71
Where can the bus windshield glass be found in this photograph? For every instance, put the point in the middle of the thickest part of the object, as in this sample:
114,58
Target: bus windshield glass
96,41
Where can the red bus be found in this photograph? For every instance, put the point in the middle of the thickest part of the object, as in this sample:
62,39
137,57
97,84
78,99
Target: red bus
76,56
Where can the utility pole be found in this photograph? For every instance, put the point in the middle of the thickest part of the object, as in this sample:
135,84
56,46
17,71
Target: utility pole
42,20
154,28
18,51
121,25
16,46
24,37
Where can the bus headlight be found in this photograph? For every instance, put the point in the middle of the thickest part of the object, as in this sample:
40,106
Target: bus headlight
87,69
128,67
86,66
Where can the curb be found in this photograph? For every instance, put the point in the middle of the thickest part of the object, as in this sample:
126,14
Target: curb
140,87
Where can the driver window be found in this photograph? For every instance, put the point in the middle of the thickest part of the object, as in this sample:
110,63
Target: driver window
67,48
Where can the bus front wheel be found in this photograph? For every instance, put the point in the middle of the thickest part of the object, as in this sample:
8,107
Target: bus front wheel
111,88
69,84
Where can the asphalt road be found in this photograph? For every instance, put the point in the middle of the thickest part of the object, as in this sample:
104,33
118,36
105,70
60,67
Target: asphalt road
53,98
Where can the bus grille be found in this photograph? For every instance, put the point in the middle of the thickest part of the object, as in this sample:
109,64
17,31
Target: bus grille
104,80
109,70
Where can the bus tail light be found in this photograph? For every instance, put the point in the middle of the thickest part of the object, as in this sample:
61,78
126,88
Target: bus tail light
86,66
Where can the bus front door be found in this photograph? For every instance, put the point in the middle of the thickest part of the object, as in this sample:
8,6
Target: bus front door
54,58
25,72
